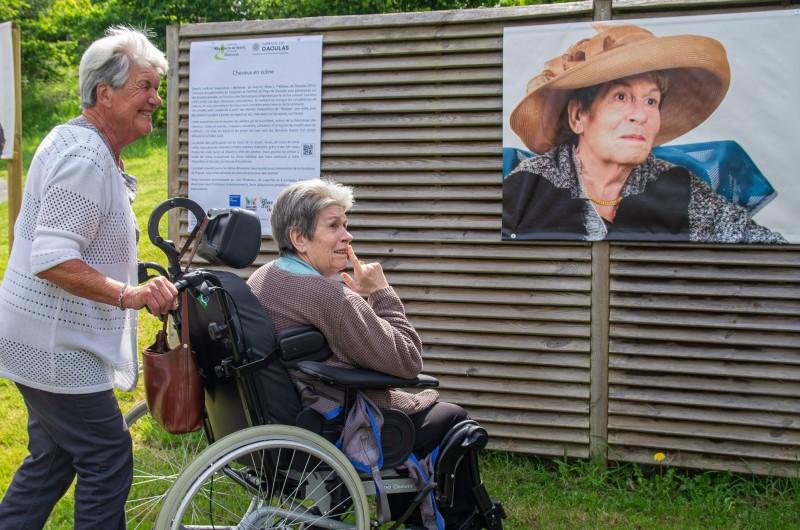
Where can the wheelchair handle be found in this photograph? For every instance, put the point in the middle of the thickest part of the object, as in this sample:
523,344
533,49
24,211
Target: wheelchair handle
144,266
195,279
167,246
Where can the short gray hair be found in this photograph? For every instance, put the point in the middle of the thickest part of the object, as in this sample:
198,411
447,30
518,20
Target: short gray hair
297,207
109,60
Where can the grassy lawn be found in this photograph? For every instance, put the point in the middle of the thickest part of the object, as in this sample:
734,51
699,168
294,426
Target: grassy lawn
537,493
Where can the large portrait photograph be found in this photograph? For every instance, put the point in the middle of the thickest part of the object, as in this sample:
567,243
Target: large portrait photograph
679,129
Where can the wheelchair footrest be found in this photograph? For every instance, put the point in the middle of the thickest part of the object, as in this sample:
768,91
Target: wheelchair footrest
491,519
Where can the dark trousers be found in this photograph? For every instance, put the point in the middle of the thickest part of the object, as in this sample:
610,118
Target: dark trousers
71,434
430,427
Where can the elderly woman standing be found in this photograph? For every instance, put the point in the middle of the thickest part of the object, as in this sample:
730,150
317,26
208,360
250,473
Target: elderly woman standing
594,115
67,332
303,287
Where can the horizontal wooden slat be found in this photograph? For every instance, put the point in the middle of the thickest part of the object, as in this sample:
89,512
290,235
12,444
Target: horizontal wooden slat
506,357
707,305
761,418
499,326
524,432
419,205
650,253
719,447
713,336
423,91
740,394
433,222
449,265
412,63
497,311
684,271
481,74
538,373
526,417
439,119
410,164
706,368
414,47
707,461
554,449
482,340
719,352
403,20
392,106
724,289
542,298
490,281
498,251
413,149
478,397
690,429
704,320
411,135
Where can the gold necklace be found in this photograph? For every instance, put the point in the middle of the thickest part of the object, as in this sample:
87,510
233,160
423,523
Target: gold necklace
601,202
604,202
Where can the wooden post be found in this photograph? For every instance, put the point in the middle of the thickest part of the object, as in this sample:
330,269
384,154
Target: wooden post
598,374
15,164
173,119
598,386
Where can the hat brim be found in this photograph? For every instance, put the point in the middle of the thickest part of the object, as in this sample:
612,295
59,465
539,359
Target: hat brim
698,72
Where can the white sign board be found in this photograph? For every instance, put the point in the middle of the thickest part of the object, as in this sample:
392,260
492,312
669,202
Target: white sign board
254,120
7,95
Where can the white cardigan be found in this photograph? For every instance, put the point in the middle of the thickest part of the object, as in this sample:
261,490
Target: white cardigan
75,207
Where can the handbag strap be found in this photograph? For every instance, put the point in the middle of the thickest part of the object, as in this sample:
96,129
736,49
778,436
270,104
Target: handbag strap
185,320
185,337
193,242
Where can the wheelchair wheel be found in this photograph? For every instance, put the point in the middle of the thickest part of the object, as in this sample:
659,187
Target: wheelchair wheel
273,476
158,459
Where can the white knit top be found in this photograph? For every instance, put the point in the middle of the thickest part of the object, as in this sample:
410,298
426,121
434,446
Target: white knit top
75,207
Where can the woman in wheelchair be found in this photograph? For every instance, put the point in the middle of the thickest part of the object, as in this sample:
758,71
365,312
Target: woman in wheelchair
305,287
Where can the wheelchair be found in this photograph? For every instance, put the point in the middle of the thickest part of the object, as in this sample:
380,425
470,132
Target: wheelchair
261,460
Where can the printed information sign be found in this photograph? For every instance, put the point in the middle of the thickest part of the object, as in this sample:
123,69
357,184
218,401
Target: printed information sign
254,120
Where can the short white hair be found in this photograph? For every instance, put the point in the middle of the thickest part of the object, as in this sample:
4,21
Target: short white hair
298,205
109,60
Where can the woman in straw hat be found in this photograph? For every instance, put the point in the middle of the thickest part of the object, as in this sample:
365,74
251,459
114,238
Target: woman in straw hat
594,114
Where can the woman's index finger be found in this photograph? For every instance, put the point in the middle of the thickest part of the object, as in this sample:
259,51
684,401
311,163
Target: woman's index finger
354,259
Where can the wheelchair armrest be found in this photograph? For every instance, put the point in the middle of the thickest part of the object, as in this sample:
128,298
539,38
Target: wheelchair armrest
359,378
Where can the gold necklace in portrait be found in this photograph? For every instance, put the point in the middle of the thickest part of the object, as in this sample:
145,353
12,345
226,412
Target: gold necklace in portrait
585,179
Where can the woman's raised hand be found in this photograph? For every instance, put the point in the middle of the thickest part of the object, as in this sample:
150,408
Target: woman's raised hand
367,277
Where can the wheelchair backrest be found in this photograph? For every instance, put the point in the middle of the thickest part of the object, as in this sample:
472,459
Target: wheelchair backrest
229,329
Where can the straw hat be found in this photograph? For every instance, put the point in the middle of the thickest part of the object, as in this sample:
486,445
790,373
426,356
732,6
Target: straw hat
697,68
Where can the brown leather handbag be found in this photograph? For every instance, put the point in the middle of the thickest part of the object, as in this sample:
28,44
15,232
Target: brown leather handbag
172,382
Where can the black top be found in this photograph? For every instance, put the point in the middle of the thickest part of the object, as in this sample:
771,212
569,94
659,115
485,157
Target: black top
543,199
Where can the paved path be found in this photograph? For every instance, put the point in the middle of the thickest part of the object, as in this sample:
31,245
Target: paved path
3,190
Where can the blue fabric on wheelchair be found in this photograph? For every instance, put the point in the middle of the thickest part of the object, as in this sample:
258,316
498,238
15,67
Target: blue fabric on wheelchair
724,165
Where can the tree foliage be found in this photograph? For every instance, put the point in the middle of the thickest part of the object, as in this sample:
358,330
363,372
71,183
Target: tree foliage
56,32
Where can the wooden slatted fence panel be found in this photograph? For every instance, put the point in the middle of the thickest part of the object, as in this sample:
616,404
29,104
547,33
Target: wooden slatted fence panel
704,360
704,342
411,117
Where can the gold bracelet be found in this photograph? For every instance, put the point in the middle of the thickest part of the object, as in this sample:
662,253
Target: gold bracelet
121,297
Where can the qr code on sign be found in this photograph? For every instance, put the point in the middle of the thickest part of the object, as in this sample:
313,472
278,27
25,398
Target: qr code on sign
308,149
